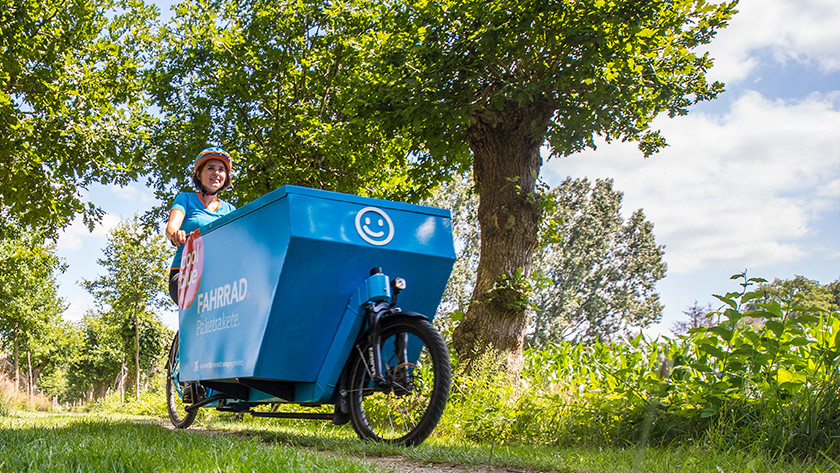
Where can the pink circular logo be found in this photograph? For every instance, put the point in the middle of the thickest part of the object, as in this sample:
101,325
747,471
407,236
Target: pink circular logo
192,264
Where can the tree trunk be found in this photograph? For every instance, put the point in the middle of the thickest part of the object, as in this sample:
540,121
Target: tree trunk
136,355
29,376
506,163
15,354
36,373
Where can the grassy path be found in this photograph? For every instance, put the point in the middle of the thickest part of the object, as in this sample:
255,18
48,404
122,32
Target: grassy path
95,443
67,443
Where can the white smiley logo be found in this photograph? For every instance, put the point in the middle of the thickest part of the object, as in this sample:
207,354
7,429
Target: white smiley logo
374,226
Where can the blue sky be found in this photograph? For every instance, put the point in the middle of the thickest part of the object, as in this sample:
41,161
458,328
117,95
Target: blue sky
749,182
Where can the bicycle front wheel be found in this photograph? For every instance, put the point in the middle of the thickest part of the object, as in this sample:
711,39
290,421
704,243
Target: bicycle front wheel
180,417
407,407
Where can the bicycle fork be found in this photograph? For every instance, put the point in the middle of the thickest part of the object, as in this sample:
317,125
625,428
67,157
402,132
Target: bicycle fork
383,378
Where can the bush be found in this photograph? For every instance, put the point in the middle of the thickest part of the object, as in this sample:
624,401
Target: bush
150,404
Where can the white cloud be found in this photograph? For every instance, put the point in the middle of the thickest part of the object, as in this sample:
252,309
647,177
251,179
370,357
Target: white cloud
802,31
73,237
137,194
744,189
76,307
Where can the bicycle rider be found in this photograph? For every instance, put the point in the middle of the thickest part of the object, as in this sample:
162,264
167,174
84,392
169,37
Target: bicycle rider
191,210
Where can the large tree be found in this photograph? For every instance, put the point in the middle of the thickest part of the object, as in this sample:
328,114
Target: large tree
492,81
385,97
135,262
71,109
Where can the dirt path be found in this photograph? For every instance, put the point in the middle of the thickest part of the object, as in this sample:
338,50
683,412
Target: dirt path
401,465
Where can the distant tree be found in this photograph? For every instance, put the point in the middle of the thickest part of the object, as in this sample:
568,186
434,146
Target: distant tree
51,352
135,262
698,316
29,304
834,289
96,352
600,270
71,108
801,291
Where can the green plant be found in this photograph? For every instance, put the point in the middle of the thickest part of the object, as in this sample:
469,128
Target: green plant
772,370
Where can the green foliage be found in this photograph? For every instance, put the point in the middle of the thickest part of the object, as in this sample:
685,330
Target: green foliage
94,359
770,386
151,402
71,108
601,269
273,84
803,292
593,276
482,403
607,68
776,367
30,308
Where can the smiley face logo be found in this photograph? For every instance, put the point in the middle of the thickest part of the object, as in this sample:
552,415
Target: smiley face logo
374,226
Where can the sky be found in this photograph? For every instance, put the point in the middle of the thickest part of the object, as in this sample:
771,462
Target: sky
749,182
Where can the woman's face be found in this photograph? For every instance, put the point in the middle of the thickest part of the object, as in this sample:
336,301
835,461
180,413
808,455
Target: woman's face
213,175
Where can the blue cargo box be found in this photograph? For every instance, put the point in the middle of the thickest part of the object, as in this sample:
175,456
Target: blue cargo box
271,287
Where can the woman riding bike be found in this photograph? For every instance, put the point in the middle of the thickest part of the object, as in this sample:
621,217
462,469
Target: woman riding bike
191,210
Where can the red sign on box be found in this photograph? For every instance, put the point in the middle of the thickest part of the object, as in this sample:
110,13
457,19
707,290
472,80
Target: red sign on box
192,264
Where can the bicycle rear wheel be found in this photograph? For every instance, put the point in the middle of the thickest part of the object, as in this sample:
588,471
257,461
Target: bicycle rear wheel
180,417
415,362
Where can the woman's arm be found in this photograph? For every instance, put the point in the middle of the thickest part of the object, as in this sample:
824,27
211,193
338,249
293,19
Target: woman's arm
173,228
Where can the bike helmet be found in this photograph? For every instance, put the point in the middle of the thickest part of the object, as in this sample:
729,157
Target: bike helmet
206,155
212,153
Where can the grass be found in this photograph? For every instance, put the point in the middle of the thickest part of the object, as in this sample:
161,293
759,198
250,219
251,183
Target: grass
63,442
94,443
443,450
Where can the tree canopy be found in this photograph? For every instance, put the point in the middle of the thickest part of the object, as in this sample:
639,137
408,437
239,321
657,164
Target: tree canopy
273,83
71,108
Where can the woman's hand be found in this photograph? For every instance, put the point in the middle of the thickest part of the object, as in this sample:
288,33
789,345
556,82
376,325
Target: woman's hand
173,228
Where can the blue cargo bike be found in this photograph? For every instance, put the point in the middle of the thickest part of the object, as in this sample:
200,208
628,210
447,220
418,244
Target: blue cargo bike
287,301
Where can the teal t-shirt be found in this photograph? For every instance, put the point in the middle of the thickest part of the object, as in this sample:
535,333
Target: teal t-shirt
196,214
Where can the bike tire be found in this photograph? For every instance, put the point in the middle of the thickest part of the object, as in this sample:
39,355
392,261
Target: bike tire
409,413
178,415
